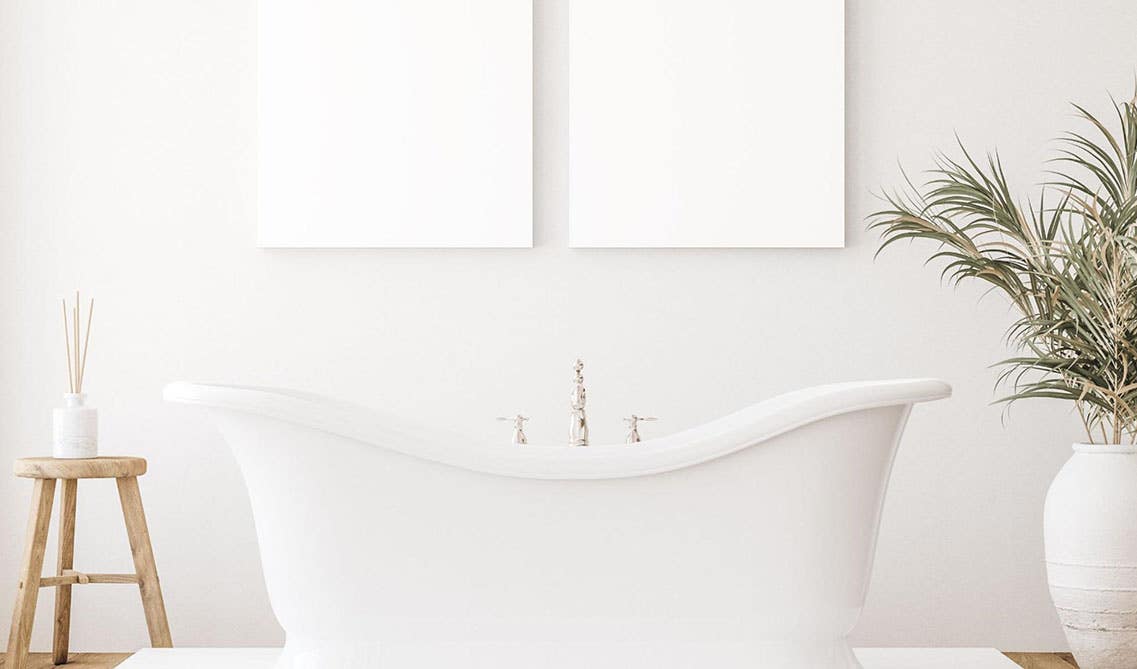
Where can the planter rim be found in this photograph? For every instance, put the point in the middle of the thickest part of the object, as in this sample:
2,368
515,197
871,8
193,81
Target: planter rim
1105,449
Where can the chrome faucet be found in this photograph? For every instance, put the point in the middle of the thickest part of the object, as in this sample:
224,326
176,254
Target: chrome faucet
578,426
633,422
578,429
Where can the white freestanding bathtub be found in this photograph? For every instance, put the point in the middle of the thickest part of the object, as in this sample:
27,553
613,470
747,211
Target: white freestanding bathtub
744,542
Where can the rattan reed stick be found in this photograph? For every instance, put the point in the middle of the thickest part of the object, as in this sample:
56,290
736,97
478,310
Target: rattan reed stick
86,341
67,347
75,343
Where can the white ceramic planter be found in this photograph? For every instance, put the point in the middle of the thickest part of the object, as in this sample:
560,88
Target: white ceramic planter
1090,524
75,428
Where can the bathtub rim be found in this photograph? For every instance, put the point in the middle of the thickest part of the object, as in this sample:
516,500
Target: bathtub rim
703,443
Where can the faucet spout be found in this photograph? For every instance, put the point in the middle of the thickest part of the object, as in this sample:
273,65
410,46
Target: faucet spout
578,428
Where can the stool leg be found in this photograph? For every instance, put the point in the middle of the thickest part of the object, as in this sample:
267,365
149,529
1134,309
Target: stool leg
144,566
30,571
67,498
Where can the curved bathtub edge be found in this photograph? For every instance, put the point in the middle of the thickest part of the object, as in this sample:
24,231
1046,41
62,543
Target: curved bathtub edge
742,429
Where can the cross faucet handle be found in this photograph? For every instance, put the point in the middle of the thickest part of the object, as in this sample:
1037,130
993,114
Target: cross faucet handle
518,421
633,422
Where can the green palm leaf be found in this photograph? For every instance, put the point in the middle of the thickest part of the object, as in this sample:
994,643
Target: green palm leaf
1070,269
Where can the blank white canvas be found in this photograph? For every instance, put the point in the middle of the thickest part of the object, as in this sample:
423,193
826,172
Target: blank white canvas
395,123
716,123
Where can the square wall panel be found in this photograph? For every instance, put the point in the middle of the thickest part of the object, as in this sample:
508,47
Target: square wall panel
395,123
717,123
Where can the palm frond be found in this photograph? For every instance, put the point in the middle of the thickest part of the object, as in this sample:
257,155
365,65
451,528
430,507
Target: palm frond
1069,268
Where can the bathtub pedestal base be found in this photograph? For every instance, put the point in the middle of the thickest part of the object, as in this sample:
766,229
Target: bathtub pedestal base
333,654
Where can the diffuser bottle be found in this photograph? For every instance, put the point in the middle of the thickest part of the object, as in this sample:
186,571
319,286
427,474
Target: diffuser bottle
76,428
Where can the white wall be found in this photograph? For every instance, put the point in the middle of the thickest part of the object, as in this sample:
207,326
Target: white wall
126,168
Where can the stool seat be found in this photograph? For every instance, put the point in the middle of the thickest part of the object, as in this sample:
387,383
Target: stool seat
80,468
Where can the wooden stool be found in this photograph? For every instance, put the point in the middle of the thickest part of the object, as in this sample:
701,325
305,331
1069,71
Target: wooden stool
46,471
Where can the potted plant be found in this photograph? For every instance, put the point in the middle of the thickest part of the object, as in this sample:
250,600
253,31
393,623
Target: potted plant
1068,263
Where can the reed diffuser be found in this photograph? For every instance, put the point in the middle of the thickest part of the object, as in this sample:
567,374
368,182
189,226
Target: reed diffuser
75,431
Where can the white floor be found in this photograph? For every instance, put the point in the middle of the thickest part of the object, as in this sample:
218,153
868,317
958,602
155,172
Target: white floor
871,658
